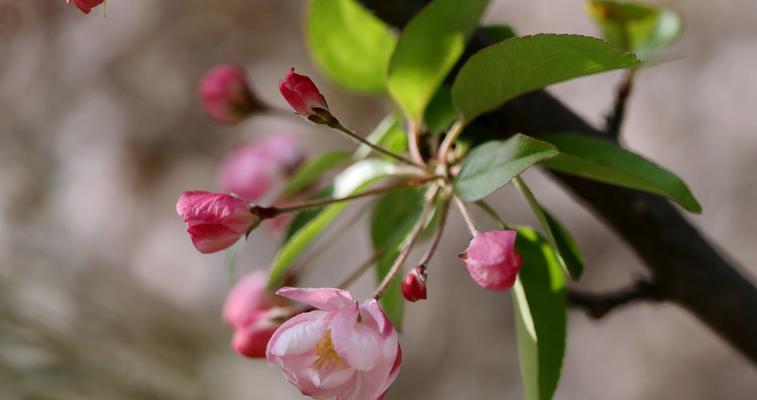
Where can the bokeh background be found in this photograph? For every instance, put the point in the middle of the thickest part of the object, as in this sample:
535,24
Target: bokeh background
102,295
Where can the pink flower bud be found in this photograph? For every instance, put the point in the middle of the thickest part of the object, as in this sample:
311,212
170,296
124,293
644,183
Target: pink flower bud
342,350
492,260
253,170
226,94
85,5
303,96
254,313
414,284
215,221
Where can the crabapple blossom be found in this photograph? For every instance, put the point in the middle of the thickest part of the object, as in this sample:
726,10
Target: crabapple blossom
414,284
342,350
226,95
215,221
492,260
303,96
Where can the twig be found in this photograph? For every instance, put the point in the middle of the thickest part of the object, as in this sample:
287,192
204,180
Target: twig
449,140
438,233
341,128
599,305
466,216
614,120
413,140
412,238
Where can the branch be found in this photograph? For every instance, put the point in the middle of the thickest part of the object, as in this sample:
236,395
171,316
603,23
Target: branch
688,269
614,120
599,305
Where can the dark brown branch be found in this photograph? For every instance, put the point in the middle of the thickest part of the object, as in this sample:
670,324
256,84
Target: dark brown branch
614,120
688,269
599,305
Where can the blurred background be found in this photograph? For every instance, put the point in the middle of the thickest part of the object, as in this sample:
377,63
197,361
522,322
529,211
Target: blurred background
102,295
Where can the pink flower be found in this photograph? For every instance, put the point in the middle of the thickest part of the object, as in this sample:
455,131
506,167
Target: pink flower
215,221
492,260
302,94
414,284
342,350
254,313
85,5
253,170
226,94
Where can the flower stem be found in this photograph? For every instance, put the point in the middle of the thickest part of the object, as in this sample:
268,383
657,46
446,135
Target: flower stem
270,212
452,135
438,233
413,141
341,128
411,239
466,216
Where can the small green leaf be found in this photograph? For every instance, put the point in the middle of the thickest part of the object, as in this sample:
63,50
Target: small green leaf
498,33
636,27
440,113
351,180
519,65
392,220
314,169
540,316
428,48
492,165
562,243
603,161
352,46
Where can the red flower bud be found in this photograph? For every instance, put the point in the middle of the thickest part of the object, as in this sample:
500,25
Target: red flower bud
414,284
303,96
215,221
492,260
226,94
85,5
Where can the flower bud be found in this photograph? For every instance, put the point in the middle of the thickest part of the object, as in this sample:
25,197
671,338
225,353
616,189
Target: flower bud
254,170
226,94
414,284
85,5
492,261
303,96
215,221
254,313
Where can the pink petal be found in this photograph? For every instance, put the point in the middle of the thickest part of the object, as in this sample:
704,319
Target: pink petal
249,295
356,343
212,238
327,299
299,335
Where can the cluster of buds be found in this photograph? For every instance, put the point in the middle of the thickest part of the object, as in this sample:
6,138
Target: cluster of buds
337,348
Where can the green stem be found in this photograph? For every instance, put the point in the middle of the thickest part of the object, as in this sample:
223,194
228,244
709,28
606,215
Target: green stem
341,128
449,140
466,216
438,233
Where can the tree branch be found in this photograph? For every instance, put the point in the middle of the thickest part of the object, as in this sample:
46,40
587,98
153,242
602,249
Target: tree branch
599,305
688,270
614,120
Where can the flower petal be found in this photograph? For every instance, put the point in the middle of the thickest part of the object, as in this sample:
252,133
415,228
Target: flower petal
299,335
355,342
327,299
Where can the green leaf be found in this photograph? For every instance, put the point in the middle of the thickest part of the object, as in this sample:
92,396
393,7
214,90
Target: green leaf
565,247
314,169
355,178
302,218
428,48
492,165
540,316
497,33
636,27
603,161
352,46
392,220
519,65
440,113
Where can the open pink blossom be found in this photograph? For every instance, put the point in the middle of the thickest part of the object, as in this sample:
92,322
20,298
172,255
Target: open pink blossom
85,5
253,170
254,313
215,221
492,260
302,94
343,350
226,95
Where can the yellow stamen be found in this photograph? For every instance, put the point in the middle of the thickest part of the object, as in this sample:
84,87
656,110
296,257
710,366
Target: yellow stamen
327,355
